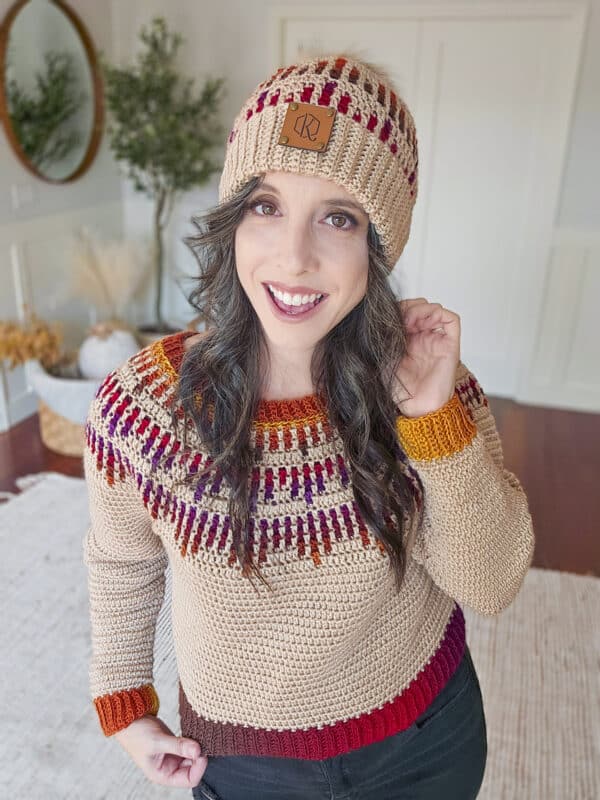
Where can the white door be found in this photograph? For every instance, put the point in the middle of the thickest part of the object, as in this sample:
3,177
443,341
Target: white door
491,89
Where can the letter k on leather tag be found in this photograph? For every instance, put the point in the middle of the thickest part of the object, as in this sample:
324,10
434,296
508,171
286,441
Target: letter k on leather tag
307,126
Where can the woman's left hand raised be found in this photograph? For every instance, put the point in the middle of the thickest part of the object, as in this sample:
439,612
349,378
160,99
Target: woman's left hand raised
428,371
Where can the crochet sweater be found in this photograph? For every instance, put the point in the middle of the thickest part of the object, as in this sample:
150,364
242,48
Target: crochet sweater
334,658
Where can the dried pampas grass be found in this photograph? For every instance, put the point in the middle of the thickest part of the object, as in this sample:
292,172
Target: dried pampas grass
108,273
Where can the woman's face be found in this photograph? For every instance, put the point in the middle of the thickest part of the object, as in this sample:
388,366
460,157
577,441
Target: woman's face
301,236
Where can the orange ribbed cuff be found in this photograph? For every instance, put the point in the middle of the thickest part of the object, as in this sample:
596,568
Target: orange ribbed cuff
441,433
116,711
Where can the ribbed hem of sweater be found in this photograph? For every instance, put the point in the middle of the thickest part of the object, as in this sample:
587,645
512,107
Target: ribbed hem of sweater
221,738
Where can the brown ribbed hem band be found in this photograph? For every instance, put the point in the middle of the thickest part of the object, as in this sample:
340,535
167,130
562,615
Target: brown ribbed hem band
117,710
441,433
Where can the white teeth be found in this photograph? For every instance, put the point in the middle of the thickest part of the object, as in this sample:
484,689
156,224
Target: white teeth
293,300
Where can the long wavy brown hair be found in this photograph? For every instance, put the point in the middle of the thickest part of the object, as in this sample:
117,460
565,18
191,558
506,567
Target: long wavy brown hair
352,368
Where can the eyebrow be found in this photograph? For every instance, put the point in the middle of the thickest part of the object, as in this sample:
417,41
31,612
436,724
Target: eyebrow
338,201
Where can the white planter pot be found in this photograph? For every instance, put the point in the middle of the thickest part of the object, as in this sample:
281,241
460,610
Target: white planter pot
69,397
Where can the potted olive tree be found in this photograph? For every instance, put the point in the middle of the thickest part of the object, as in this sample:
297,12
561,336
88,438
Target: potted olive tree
162,133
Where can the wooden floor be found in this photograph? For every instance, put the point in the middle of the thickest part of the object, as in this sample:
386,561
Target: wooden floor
555,454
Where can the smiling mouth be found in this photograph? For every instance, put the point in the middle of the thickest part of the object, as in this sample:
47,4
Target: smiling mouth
293,310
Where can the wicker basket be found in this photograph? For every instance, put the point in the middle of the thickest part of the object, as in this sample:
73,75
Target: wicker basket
63,403
60,434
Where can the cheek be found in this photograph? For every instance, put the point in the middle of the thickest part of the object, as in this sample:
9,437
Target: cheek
352,251
245,254
252,244
358,270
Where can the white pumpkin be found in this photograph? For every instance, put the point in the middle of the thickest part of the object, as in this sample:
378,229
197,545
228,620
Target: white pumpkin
100,355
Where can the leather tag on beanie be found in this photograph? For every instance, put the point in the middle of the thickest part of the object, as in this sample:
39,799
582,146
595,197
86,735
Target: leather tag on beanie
307,126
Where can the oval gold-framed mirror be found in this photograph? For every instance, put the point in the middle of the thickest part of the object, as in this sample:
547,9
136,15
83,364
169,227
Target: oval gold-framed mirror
51,96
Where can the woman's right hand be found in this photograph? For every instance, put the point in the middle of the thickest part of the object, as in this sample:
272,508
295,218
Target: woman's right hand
164,758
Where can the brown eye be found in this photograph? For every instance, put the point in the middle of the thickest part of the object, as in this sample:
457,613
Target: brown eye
266,205
344,218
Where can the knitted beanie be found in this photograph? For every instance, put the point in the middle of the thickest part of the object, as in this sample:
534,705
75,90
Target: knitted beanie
338,118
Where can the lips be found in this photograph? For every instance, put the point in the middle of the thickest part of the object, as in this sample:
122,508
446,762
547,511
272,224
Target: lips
301,290
294,310
292,313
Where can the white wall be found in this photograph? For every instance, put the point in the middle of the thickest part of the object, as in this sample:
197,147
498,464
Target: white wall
580,199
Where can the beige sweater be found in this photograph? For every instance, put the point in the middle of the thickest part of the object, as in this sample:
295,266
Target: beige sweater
334,658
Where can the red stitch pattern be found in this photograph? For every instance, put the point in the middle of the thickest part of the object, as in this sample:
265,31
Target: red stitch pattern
306,94
371,124
343,103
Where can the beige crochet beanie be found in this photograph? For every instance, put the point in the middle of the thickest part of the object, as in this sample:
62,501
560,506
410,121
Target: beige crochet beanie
339,118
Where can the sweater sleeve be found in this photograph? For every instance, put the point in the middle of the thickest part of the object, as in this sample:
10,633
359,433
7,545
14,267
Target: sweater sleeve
476,540
126,565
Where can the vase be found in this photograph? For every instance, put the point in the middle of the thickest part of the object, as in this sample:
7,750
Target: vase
63,404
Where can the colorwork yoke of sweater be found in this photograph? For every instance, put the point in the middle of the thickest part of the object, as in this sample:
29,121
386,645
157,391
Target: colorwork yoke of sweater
332,658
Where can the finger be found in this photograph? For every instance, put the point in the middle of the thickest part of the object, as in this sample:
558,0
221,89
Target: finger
408,302
178,745
173,772
188,777
420,306
424,312
434,312
196,771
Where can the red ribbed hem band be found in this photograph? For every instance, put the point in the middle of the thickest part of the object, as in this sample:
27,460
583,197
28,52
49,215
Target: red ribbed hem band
218,739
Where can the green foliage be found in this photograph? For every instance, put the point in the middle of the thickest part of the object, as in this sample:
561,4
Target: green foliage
159,128
42,120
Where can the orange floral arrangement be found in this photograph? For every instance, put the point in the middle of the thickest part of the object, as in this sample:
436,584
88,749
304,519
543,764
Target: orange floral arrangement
33,338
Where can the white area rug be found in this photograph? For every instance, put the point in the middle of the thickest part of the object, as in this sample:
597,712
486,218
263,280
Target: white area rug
538,665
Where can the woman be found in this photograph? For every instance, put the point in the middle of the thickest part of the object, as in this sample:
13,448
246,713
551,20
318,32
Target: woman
319,470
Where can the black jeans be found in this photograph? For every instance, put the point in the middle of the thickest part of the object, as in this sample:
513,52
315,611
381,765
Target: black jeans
441,755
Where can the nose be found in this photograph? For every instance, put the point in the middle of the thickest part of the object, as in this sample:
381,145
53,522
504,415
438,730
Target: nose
299,251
